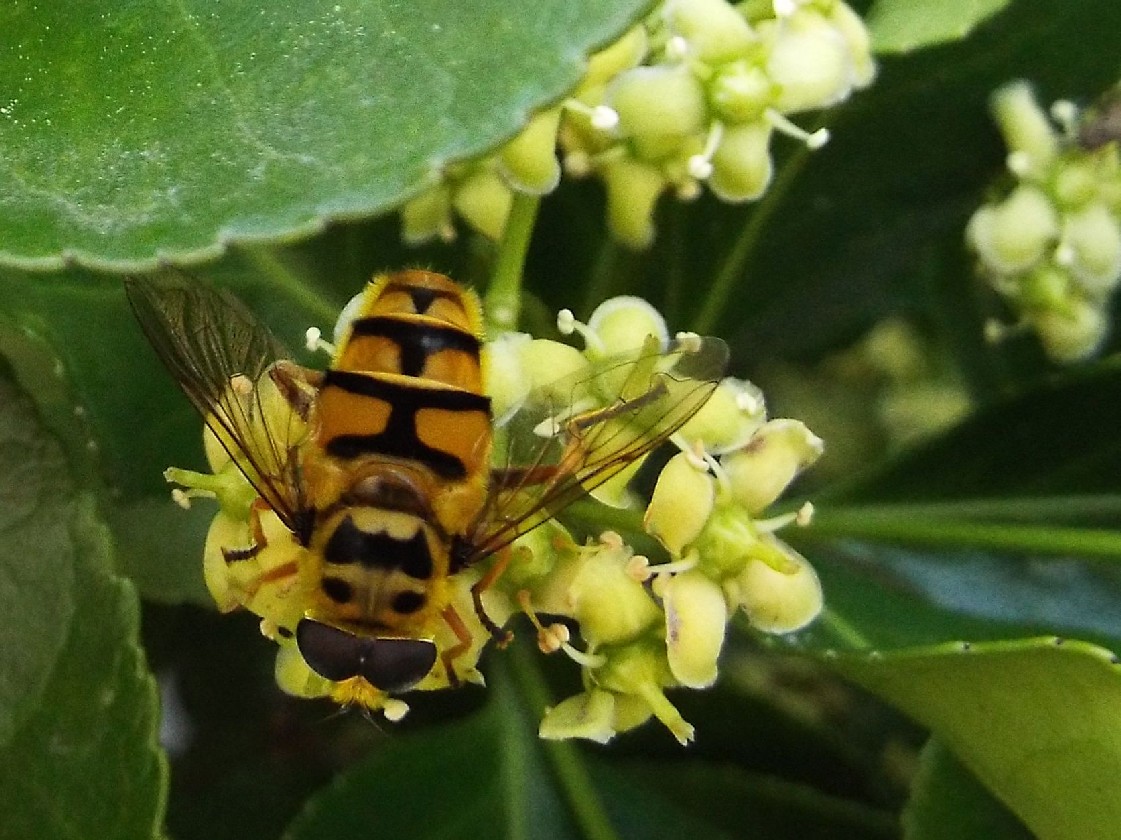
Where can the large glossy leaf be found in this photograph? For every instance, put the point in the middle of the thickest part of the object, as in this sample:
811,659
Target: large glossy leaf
902,26
947,803
158,129
1034,720
37,556
79,757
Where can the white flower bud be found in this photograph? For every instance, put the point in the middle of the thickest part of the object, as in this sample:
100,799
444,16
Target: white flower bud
294,677
1014,234
741,165
610,605
641,669
1076,181
714,30
606,64
696,620
810,61
483,200
507,382
589,715
760,472
779,601
727,421
529,161
1072,335
1093,238
633,188
427,216
740,92
1026,128
856,35
657,101
548,363
623,323
681,504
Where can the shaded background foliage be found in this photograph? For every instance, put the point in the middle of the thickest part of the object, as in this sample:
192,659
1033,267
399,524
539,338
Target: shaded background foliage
269,143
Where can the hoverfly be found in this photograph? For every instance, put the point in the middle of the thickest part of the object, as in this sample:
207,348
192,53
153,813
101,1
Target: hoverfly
384,467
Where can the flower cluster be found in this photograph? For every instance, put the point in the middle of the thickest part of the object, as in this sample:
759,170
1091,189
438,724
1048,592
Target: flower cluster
1051,245
635,626
689,97
644,626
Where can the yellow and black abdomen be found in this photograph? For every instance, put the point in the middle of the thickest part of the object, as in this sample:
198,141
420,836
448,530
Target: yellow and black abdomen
401,416
407,381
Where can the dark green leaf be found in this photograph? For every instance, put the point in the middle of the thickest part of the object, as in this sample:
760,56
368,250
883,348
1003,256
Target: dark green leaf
36,559
161,130
77,705
482,777
948,803
747,805
1058,438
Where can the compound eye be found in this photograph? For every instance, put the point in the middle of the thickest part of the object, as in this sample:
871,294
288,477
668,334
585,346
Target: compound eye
395,665
332,653
387,663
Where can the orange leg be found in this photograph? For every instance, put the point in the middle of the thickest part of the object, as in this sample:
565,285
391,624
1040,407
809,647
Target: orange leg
501,561
463,635
260,542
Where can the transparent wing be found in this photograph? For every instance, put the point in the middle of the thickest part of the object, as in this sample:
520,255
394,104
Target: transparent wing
219,354
572,436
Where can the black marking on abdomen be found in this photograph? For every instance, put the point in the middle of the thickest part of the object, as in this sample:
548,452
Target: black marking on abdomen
350,544
399,437
421,296
337,589
408,602
416,341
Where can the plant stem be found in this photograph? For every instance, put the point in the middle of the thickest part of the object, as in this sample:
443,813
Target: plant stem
266,262
502,302
1050,509
944,533
843,630
716,298
570,770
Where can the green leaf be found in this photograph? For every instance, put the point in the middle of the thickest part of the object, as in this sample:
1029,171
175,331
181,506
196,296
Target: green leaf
900,26
80,758
491,776
1034,719
1057,438
947,803
164,130
36,559
100,387
762,807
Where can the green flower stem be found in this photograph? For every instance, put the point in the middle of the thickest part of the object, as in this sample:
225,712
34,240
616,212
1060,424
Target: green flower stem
843,631
604,275
502,302
889,526
570,770
267,263
731,271
1037,509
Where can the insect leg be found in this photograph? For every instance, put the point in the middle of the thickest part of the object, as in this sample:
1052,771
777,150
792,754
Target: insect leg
501,561
463,638
297,384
